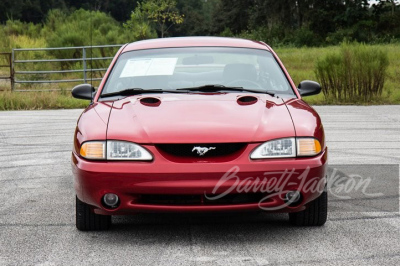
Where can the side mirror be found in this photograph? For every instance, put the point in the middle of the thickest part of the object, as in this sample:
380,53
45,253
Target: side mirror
308,87
83,91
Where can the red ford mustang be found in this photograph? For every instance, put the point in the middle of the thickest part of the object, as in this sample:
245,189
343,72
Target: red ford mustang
199,124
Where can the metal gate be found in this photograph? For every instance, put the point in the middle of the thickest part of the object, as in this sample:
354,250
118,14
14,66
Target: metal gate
28,66
5,63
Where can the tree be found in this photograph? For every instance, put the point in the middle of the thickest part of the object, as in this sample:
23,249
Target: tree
232,16
163,13
139,26
120,10
27,11
197,21
387,14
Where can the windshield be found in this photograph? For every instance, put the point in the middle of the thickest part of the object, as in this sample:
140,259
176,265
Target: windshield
190,67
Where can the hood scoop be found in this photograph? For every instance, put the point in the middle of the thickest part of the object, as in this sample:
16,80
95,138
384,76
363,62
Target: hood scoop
247,100
150,101
201,120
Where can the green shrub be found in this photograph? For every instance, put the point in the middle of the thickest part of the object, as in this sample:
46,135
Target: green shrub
304,37
356,73
228,33
16,27
82,28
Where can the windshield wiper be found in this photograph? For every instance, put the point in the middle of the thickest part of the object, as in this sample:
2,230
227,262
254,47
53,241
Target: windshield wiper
135,91
218,87
205,88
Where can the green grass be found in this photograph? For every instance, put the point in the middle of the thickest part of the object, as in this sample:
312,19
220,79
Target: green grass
300,62
38,101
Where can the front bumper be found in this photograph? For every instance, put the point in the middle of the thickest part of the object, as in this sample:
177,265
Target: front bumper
133,181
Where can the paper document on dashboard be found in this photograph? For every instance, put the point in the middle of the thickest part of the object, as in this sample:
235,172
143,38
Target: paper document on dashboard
149,67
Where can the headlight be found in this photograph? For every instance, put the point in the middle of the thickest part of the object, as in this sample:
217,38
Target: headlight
275,149
122,150
114,150
288,147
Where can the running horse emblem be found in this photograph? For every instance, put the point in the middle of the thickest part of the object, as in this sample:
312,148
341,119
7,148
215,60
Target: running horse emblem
202,150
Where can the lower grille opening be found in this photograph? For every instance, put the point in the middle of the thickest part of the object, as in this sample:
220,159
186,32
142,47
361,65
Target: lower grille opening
198,200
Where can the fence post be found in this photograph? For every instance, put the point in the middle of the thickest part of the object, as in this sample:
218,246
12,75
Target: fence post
12,72
84,64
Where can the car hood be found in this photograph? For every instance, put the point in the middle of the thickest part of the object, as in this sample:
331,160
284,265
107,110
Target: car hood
199,118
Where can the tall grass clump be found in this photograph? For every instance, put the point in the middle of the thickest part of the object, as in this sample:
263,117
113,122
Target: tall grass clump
39,101
355,73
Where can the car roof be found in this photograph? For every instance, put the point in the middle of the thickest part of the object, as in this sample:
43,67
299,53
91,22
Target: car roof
194,42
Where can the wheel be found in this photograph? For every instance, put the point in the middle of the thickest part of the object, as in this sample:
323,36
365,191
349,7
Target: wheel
87,220
315,214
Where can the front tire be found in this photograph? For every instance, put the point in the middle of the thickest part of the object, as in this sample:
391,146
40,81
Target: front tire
315,214
87,220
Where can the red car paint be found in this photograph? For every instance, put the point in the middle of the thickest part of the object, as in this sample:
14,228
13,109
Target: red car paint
191,118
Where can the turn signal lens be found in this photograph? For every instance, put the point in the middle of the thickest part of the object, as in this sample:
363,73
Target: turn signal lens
93,150
308,147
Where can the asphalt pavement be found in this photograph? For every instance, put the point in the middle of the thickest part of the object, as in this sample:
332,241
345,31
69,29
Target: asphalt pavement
37,209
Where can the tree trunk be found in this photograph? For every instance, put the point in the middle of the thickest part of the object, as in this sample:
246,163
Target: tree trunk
393,7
